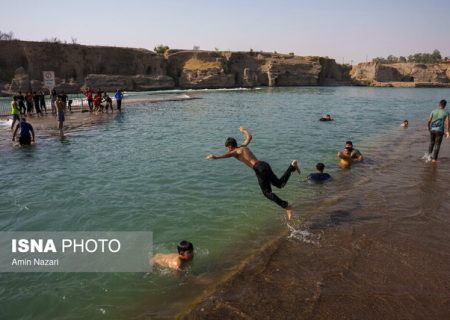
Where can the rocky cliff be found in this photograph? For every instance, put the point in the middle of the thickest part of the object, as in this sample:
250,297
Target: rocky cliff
108,68
402,74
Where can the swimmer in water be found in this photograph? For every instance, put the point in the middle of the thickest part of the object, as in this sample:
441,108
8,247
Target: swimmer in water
345,157
356,155
262,169
319,176
326,118
175,261
404,124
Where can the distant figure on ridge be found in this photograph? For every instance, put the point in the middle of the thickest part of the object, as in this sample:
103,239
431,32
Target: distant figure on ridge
319,176
438,120
263,171
175,261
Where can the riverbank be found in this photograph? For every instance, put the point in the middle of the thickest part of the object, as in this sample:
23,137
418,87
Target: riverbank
377,250
47,126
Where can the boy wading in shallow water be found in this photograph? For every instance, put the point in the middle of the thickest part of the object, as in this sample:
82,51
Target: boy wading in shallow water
437,122
263,171
175,260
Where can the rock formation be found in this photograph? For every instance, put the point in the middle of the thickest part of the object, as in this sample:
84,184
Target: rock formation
109,68
402,74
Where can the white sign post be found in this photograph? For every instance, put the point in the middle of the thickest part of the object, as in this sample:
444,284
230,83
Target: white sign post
49,79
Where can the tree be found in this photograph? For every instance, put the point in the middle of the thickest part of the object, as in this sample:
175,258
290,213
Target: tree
161,49
6,35
52,40
436,56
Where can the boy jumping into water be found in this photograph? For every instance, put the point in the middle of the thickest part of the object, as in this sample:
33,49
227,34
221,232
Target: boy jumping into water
263,171
175,260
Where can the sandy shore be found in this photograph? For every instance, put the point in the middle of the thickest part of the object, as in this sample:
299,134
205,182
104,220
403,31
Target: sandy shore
47,125
378,250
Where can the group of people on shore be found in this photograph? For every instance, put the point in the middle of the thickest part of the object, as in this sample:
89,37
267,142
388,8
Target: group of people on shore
101,101
31,102
35,103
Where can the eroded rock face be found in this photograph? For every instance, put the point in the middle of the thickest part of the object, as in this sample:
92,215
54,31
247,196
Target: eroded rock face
109,68
398,74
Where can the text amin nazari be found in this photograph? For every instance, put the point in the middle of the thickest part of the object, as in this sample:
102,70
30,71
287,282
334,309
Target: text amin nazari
34,262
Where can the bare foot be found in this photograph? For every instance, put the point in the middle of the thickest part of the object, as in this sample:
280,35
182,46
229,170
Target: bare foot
289,213
295,165
434,161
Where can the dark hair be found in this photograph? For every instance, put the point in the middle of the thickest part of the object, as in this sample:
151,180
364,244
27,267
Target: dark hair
320,166
349,142
231,142
443,103
185,246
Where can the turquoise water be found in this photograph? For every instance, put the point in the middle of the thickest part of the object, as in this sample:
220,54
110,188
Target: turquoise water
145,170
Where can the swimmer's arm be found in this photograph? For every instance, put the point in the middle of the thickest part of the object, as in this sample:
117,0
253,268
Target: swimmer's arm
248,136
359,157
222,156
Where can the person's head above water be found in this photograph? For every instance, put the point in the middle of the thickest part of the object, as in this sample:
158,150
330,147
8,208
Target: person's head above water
185,250
442,103
231,143
320,167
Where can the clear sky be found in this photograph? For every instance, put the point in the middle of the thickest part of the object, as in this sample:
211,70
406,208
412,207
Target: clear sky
347,30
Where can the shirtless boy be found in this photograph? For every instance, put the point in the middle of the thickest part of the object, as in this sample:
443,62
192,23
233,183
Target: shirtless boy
175,260
263,171
345,157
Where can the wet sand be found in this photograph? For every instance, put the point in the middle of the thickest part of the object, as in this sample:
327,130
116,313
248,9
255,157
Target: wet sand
377,249
47,126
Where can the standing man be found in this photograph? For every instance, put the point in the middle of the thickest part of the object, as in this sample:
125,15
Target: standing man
15,112
21,102
26,133
53,96
88,93
60,109
29,102
119,97
436,122
263,171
